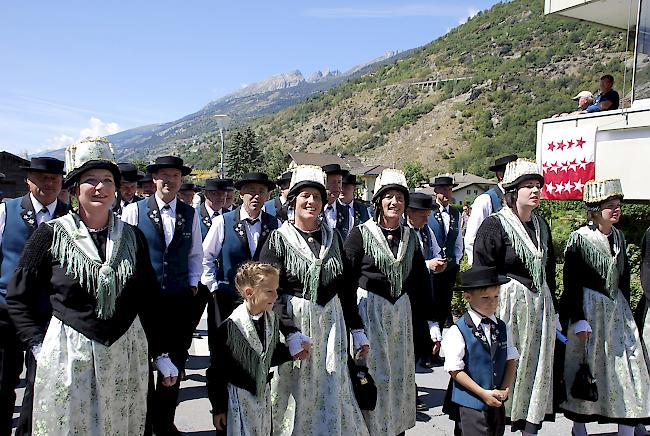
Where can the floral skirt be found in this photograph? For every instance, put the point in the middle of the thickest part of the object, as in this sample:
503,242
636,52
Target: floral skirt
85,388
314,397
248,415
616,358
391,362
531,318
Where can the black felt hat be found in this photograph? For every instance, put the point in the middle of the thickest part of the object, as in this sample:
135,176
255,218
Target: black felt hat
284,179
216,185
169,162
335,169
230,184
421,201
261,178
129,172
146,177
95,164
190,187
444,181
500,163
45,165
350,179
481,277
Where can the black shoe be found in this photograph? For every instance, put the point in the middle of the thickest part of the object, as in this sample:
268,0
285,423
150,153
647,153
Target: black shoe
427,362
167,431
420,406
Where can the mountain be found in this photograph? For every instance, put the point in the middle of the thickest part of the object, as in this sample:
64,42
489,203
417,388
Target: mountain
268,96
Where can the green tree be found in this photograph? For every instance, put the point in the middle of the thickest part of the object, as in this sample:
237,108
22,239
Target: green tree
243,154
415,173
140,164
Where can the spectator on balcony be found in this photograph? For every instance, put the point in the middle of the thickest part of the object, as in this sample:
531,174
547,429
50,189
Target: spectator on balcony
584,99
607,99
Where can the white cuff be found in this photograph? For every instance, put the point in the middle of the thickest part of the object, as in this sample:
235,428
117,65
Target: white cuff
359,339
294,342
36,351
434,331
582,326
165,366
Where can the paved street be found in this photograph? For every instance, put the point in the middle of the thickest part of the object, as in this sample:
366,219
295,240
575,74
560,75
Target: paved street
193,414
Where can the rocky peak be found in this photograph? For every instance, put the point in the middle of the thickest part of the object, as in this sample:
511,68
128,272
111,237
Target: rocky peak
273,83
322,76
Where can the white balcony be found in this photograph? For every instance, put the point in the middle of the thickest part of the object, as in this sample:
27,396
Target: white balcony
612,13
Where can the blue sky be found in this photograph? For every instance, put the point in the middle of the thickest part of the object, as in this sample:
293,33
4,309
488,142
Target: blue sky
78,68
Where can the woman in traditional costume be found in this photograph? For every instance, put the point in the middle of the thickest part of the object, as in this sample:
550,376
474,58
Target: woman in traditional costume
393,294
518,243
93,358
315,396
601,328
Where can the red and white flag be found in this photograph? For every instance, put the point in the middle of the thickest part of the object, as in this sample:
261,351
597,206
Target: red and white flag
567,161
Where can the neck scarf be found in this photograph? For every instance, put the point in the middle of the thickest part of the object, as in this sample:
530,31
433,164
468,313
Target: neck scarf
73,246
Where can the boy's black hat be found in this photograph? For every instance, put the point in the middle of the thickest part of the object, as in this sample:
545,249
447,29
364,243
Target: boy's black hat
421,201
500,163
481,277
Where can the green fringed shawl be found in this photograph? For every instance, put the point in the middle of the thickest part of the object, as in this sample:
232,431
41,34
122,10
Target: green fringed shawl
73,246
300,262
595,251
376,246
246,348
533,258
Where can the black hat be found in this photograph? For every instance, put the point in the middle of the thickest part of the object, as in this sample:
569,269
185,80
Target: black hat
215,185
481,277
101,164
444,181
260,178
230,184
421,201
350,179
129,172
190,187
284,179
500,163
146,177
45,165
335,169
169,162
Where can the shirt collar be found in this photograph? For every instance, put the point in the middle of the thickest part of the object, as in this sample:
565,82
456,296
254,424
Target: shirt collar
477,317
243,214
161,203
441,207
209,210
500,185
38,206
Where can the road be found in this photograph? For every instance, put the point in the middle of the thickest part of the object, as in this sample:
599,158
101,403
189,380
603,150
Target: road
193,413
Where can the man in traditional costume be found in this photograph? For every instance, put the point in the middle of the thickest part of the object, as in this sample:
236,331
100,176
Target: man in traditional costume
145,186
234,238
393,290
485,204
601,329
127,195
518,243
173,235
211,208
335,216
19,217
187,192
278,206
230,196
354,211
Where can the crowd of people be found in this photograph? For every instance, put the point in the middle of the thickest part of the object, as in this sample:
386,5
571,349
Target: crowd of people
319,304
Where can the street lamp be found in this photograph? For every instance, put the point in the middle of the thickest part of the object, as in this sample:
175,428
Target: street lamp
223,121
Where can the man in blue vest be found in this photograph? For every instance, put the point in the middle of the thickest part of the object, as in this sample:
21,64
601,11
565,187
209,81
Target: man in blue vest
230,196
19,217
211,208
335,215
485,204
353,212
234,238
128,187
173,234
278,206
445,224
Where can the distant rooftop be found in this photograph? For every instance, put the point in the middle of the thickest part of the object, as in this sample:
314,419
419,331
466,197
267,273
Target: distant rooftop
320,159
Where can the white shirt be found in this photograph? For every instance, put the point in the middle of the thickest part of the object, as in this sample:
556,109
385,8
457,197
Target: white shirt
453,344
330,215
213,214
434,243
195,256
446,219
214,241
41,217
481,209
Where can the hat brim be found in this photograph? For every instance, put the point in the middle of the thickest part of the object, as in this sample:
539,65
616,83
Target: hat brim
337,173
268,183
501,280
418,207
599,202
74,175
298,187
495,168
518,180
453,185
42,170
396,187
155,167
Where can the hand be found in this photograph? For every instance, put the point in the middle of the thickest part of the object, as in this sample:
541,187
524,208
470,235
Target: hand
302,355
491,398
363,352
194,289
169,381
167,370
220,421
437,265
299,345
583,336
436,347
502,394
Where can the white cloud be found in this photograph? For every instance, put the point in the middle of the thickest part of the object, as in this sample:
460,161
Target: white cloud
471,13
57,142
99,128
408,10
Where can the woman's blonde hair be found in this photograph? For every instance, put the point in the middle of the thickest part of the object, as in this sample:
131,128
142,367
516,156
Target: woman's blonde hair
253,274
